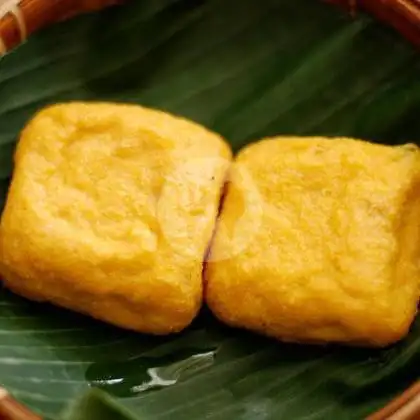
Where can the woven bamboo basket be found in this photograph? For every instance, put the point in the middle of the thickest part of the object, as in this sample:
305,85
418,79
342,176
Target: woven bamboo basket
403,15
21,18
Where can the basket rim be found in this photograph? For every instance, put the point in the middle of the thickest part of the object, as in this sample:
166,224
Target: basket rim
402,15
20,18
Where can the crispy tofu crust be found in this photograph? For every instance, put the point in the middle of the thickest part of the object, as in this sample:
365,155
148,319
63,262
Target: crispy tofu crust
319,241
110,212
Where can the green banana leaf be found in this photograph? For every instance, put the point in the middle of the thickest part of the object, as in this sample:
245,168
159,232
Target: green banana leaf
247,69
96,405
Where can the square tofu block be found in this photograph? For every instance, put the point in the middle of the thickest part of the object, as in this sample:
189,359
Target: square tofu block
319,241
110,212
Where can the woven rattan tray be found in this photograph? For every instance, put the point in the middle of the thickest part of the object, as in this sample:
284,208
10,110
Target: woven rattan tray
23,17
19,19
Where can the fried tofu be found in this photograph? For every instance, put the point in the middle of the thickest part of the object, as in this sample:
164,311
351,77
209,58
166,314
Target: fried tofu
319,241
110,212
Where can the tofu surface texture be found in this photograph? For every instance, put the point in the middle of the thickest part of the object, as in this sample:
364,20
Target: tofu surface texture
318,241
110,212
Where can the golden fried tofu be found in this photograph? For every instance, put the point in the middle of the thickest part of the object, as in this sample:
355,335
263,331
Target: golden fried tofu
110,212
319,241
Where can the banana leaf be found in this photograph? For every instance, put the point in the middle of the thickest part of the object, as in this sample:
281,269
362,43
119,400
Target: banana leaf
246,69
